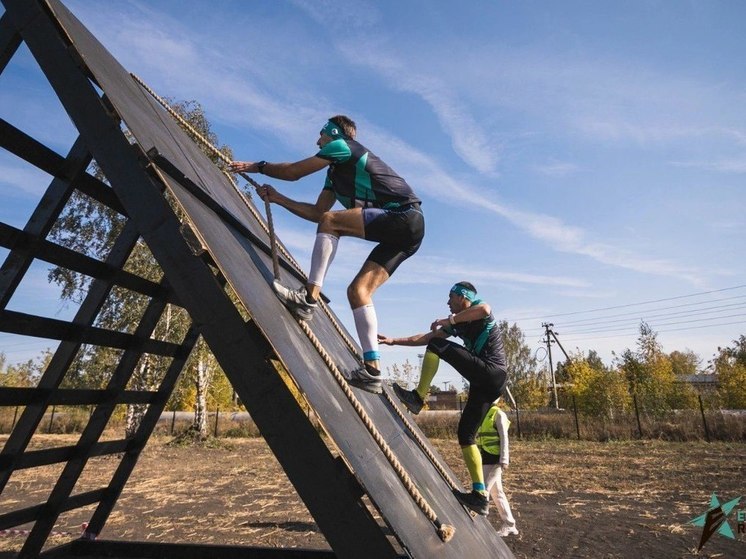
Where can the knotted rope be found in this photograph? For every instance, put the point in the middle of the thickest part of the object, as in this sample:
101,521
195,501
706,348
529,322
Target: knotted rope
445,531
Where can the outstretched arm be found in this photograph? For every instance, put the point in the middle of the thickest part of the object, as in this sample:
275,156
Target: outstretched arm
417,339
283,171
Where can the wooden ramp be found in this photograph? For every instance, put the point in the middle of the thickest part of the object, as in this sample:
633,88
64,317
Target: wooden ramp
213,248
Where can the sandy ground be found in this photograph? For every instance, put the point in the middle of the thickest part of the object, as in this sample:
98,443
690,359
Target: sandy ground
571,499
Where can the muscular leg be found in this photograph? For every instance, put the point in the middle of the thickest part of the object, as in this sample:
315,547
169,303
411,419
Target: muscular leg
370,277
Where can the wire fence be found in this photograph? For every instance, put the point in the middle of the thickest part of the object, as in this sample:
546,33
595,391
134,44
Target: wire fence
706,423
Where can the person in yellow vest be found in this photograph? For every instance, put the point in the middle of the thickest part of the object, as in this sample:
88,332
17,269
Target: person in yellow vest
492,440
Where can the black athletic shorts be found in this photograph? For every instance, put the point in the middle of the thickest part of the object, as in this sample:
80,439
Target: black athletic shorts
398,231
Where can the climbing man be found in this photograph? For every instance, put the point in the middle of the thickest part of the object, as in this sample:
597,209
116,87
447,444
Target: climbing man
481,361
379,206
494,448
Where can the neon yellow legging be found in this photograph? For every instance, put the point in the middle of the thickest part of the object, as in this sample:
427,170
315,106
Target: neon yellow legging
472,457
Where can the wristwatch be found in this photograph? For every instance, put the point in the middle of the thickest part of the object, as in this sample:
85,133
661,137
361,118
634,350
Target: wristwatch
260,165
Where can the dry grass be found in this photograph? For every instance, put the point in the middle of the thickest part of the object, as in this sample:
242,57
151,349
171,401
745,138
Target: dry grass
571,499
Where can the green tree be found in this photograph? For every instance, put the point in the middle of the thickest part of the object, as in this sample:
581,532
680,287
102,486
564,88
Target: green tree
520,363
598,392
595,361
649,373
730,368
685,362
738,352
531,393
23,374
90,228
526,383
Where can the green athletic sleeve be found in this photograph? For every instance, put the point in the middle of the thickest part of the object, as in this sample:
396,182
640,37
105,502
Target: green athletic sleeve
336,151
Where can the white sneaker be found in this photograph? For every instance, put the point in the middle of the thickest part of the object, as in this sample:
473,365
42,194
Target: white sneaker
507,530
295,300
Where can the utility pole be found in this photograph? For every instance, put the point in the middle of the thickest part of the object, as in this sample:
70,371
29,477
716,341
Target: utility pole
445,385
551,337
547,332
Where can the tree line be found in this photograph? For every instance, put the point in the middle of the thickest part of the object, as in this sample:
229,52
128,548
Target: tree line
645,374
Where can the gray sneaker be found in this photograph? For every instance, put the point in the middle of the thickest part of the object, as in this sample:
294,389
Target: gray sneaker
295,300
475,501
366,378
409,398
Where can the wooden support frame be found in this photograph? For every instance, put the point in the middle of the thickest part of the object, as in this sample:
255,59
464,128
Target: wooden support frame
349,519
235,252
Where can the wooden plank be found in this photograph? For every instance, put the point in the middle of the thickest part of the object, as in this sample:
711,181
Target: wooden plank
47,456
151,550
30,514
42,220
29,325
16,396
194,189
10,40
40,156
139,440
32,246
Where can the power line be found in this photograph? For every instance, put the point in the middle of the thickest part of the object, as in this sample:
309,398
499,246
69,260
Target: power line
654,325
544,317
573,325
587,338
648,319
635,313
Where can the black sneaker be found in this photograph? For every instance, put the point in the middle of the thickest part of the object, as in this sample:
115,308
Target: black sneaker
475,501
409,398
366,377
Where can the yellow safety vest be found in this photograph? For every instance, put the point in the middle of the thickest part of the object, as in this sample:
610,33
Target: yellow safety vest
488,438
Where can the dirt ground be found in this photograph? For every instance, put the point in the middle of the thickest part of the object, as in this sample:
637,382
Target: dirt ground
571,499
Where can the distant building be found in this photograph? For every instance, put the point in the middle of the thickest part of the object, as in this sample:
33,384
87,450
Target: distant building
701,383
444,400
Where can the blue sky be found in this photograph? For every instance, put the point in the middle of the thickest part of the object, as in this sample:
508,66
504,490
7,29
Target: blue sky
571,156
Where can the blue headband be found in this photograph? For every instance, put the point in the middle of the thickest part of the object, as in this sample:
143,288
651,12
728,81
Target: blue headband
333,130
464,292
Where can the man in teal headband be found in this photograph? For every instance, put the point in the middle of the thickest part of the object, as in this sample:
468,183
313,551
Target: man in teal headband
481,361
379,206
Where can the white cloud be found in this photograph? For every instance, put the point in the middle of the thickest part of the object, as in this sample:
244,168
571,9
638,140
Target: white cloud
468,138
550,230
730,166
556,169
432,270
19,180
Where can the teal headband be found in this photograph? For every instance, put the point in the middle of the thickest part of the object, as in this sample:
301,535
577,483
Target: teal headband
464,292
333,130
